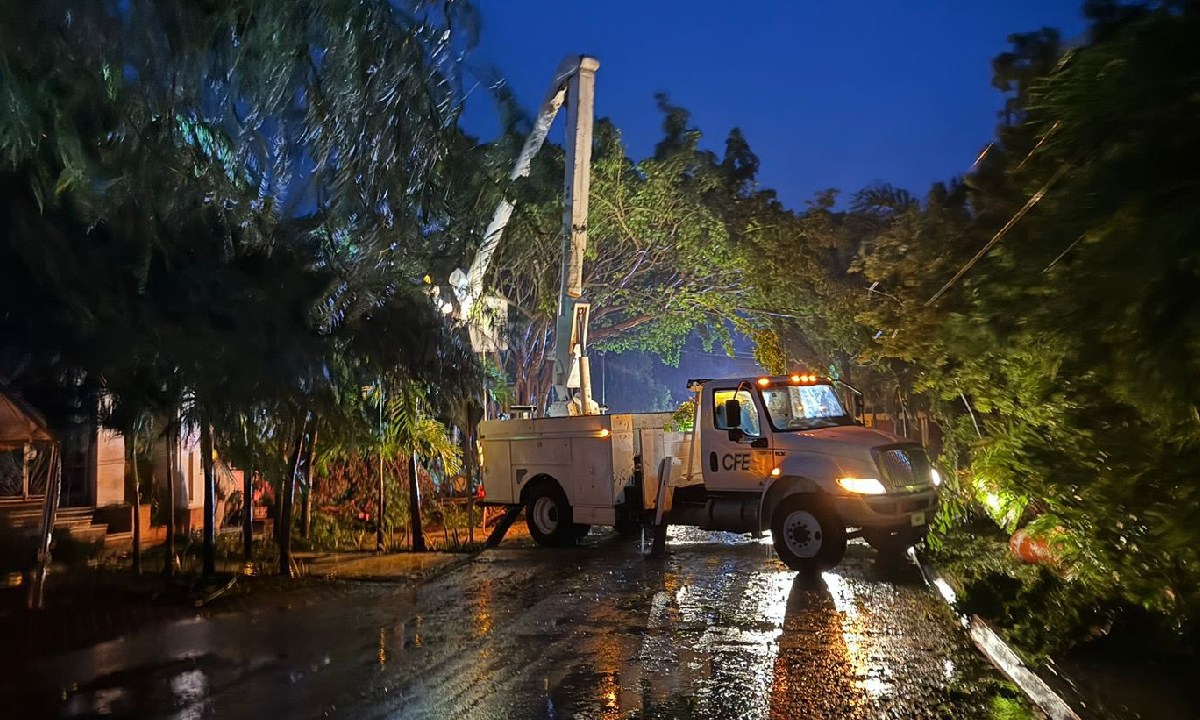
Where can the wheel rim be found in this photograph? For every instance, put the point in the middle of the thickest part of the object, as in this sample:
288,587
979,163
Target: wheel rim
802,534
545,515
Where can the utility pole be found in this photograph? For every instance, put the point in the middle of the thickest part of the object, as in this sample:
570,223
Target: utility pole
571,367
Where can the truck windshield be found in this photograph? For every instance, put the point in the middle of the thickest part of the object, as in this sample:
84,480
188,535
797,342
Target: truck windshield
804,407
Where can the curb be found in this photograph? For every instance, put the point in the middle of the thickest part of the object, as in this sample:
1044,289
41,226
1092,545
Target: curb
415,576
998,652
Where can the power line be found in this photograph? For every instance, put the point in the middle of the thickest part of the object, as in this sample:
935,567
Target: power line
1037,196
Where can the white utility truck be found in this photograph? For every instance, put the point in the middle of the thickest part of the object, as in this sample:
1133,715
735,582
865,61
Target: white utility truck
770,453
764,453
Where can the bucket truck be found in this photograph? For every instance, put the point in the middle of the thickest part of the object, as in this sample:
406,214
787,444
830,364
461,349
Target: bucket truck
773,453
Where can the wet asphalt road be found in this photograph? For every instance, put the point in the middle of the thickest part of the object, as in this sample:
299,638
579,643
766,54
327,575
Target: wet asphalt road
719,629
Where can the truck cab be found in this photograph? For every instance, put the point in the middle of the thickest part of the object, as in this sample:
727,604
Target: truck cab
779,454
789,445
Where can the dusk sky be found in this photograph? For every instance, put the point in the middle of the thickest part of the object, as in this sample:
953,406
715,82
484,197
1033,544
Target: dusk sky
829,94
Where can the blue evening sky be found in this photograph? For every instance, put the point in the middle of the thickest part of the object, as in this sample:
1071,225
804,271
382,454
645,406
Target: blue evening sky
830,93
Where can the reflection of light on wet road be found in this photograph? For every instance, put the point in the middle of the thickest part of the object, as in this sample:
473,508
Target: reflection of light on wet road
855,633
608,661
190,687
107,700
718,628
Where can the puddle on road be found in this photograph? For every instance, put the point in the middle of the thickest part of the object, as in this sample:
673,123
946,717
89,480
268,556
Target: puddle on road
175,689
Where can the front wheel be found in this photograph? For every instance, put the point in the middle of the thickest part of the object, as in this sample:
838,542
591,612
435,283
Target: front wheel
548,515
807,535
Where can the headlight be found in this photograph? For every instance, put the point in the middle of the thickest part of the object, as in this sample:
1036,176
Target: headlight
935,476
862,486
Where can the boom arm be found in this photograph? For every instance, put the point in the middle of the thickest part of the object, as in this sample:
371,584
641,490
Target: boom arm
468,286
574,83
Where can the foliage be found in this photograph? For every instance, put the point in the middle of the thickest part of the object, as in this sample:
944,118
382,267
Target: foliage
215,214
1040,611
659,264
1061,359
684,417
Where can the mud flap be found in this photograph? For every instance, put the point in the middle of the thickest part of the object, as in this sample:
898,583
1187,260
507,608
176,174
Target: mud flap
658,547
502,526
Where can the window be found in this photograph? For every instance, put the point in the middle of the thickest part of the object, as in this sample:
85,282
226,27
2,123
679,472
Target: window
750,424
804,407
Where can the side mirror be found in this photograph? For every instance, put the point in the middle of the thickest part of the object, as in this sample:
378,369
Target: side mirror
733,413
736,434
860,410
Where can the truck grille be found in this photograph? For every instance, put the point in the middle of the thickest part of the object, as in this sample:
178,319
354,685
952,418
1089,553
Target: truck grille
891,506
904,466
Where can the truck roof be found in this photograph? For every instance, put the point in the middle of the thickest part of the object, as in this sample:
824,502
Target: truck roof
798,378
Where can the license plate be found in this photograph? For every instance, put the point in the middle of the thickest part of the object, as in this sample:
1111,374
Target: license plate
918,519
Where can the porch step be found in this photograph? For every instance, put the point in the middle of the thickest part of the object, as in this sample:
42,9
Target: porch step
92,534
26,515
118,540
20,514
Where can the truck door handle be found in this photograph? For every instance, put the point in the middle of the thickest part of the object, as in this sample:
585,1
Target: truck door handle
759,443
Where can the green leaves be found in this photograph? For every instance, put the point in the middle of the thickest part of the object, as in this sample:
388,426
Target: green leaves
227,202
1062,365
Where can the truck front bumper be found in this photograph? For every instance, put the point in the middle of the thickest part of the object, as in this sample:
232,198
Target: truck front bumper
890,511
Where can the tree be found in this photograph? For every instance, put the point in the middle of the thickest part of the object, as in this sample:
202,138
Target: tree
199,206
1048,312
658,264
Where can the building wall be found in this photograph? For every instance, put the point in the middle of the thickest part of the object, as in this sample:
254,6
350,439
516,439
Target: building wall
109,474
188,481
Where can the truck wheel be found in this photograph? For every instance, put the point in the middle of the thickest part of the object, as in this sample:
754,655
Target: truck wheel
548,516
806,535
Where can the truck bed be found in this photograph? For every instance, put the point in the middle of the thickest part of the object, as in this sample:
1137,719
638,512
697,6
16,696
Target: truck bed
591,456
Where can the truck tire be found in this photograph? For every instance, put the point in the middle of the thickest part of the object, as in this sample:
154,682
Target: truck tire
807,535
548,515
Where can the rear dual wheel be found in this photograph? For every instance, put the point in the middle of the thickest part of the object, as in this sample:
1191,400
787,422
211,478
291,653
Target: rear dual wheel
549,517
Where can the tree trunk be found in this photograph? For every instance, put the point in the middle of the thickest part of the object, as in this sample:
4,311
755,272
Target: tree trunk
137,508
210,497
414,505
379,511
172,449
285,513
469,473
248,514
277,529
309,476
